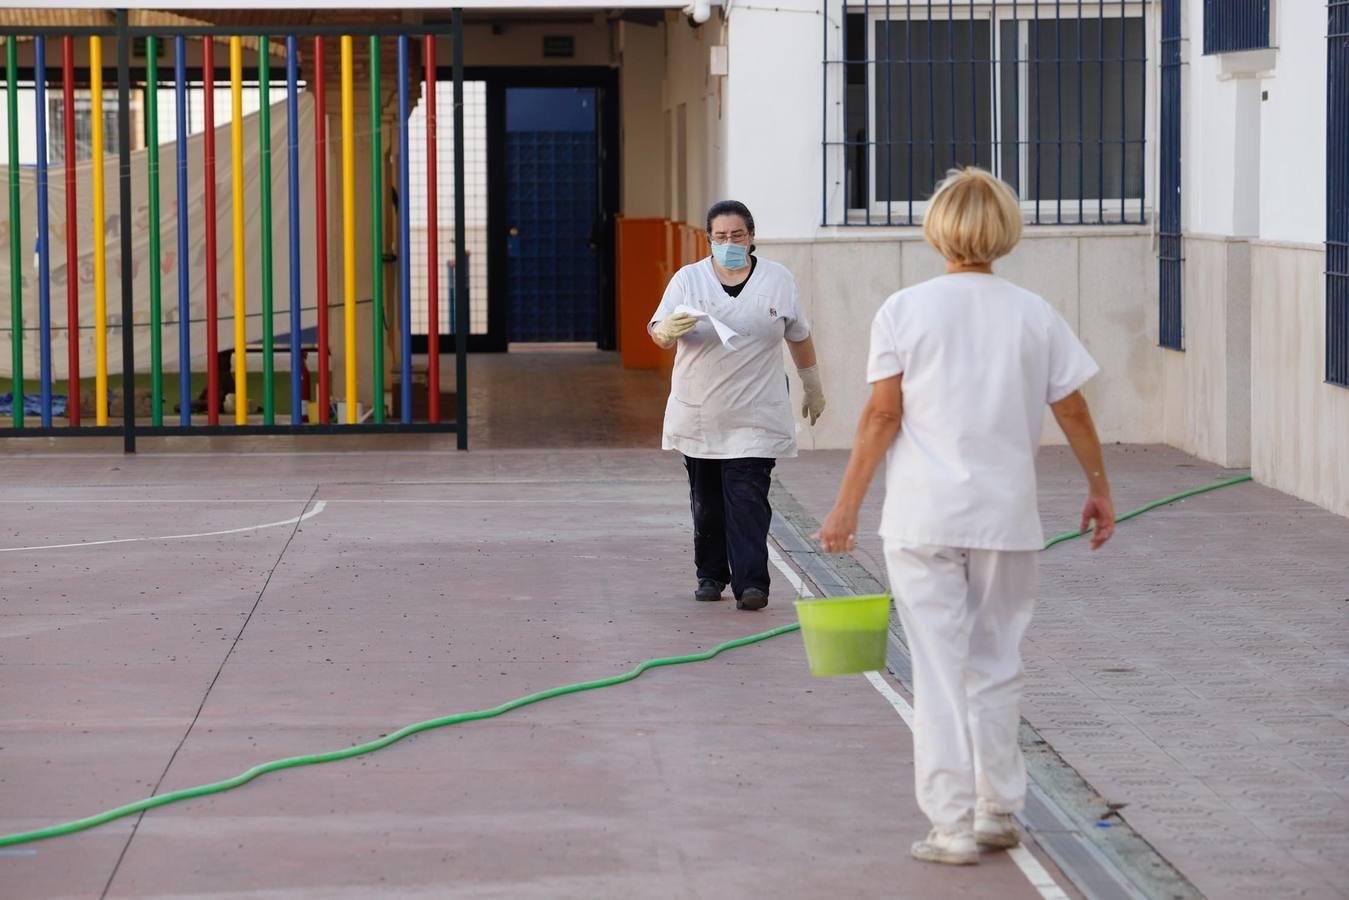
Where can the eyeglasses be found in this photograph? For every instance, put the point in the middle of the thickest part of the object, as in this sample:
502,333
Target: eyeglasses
734,237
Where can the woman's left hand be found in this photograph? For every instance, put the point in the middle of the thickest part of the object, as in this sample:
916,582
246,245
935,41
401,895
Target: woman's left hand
838,534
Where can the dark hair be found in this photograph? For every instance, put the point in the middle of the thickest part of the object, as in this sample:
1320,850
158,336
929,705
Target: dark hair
730,208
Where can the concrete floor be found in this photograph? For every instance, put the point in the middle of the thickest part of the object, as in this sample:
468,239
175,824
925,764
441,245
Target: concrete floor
427,585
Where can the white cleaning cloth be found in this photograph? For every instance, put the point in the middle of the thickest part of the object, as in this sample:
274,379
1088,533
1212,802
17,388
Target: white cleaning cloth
726,333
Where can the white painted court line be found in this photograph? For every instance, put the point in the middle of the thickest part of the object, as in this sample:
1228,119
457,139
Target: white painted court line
1035,873
131,501
318,508
893,697
375,500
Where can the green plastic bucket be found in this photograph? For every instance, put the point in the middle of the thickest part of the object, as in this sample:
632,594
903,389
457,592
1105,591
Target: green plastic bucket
844,635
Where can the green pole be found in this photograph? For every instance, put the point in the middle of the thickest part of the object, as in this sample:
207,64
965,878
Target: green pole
15,227
265,130
156,313
377,228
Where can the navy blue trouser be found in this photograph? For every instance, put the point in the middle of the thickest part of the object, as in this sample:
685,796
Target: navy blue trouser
731,515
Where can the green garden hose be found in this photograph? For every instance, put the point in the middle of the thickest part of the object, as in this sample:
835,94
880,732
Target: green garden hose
1165,501
23,837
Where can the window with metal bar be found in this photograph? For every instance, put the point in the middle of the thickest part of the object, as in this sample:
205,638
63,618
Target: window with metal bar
1337,194
1049,94
1170,239
1231,26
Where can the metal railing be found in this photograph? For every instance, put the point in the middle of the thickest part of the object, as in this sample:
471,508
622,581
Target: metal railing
1231,26
1051,95
147,309
1337,193
1170,239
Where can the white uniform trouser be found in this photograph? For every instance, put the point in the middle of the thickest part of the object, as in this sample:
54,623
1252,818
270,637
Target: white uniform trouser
964,614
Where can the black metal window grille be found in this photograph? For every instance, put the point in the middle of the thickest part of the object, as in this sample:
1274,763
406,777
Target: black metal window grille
1051,95
1337,194
1171,242
1231,26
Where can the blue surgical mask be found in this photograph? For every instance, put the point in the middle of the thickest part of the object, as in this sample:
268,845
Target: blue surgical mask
731,256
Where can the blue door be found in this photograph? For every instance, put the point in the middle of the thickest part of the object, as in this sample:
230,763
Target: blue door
552,167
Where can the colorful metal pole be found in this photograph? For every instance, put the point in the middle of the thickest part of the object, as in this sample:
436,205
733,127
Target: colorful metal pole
100,240
265,166
293,159
212,278
321,226
184,249
156,296
404,234
376,230
72,235
15,228
44,264
125,248
240,264
432,238
461,255
349,228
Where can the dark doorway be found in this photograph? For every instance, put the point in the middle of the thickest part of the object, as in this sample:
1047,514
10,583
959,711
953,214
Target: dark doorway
552,177
553,217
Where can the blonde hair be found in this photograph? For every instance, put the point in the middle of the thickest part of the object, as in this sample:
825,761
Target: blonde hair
973,218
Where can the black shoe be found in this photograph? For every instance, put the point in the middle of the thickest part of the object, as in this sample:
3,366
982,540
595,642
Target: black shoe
708,590
752,598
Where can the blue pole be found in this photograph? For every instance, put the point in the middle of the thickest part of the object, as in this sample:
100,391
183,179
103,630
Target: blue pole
184,250
293,149
404,240
44,287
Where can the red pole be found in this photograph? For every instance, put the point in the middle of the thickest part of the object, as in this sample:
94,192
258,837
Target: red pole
212,339
72,236
432,239
321,219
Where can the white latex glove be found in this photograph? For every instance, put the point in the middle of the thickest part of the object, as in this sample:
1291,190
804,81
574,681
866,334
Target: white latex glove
813,405
667,331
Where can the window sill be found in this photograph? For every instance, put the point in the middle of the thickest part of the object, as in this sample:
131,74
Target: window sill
1246,64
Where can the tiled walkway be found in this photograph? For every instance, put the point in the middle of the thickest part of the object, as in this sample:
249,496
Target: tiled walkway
1197,669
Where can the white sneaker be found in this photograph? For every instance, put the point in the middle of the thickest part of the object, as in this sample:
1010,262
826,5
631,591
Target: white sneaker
953,848
997,830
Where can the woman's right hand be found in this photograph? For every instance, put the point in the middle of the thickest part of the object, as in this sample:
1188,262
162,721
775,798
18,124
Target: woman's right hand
1098,515
838,534
667,331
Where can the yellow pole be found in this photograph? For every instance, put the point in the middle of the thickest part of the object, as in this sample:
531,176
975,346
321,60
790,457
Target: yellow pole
240,271
349,227
100,248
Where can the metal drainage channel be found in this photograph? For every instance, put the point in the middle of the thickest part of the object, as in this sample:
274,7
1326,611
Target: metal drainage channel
1063,811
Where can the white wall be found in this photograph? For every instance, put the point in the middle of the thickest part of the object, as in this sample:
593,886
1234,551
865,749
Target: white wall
1293,127
1249,388
1299,422
1206,396
1254,145
773,104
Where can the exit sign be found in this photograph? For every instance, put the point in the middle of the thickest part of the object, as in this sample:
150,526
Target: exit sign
559,46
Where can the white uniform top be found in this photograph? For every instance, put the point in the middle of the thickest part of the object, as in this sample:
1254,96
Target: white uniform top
981,359
728,404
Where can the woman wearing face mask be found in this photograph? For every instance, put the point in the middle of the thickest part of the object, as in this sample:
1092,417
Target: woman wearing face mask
729,411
